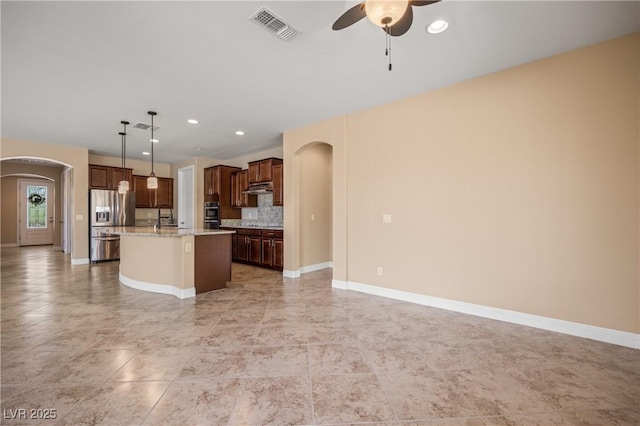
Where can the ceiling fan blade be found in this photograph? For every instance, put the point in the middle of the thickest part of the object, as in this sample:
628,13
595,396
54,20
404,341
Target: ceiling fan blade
350,17
422,3
403,25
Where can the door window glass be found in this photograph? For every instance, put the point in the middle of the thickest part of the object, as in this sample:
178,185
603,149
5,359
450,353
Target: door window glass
36,207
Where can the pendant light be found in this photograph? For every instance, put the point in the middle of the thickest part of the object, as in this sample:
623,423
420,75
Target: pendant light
152,180
123,185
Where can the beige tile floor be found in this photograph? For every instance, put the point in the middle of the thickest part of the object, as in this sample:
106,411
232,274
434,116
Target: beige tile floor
277,351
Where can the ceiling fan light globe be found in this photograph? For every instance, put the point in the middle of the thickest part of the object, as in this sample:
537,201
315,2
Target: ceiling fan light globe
385,13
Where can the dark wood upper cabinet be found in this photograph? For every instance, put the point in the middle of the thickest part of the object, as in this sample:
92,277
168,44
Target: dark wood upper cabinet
151,198
218,186
278,193
239,183
208,184
105,177
262,171
117,176
99,177
164,193
143,194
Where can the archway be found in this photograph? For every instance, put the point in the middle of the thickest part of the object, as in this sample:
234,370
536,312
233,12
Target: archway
331,132
313,165
36,169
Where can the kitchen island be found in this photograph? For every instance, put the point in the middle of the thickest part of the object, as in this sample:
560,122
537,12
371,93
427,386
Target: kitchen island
181,262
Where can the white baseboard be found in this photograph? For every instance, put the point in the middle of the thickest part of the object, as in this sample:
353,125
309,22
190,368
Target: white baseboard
601,334
7,245
343,285
316,267
180,293
290,274
82,261
305,269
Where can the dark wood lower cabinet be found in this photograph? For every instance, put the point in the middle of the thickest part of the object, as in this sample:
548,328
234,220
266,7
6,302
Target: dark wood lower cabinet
255,252
272,249
234,247
260,247
212,262
242,254
278,255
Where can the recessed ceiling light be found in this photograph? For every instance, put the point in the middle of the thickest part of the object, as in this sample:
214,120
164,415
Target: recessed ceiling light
145,153
192,121
197,148
240,133
437,27
154,140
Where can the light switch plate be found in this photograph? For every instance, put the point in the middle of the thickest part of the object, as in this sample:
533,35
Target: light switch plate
187,247
79,217
386,218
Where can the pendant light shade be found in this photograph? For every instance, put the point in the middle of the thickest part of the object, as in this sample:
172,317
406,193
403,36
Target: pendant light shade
123,185
152,180
385,13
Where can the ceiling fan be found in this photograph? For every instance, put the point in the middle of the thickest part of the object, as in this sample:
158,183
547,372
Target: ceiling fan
393,16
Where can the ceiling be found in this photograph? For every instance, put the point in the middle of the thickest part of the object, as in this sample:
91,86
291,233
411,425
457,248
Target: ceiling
71,71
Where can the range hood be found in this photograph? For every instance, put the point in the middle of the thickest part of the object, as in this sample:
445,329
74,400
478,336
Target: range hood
259,188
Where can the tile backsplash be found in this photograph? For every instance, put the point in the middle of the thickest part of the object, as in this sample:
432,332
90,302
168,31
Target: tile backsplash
267,214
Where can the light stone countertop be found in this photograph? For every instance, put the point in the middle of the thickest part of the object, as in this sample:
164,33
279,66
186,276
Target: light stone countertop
269,227
146,231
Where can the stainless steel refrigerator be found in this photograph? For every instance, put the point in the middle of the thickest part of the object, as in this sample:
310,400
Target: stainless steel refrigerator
109,208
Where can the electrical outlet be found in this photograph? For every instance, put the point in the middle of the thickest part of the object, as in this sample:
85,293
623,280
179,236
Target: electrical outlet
386,218
79,217
187,247
379,271
148,214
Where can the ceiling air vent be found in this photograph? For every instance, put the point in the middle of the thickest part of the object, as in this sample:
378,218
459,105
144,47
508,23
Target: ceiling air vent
144,126
274,24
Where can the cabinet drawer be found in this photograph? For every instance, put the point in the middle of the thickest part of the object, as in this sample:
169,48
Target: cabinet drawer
244,231
270,233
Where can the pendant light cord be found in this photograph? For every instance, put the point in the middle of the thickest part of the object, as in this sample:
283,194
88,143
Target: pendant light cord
124,146
152,114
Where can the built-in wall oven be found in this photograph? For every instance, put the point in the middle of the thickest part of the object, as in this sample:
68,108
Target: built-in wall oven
212,215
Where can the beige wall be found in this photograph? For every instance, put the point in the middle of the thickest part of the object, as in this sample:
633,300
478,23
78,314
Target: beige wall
518,190
77,160
9,210
10,173
139,167
332,132
243,161
315,184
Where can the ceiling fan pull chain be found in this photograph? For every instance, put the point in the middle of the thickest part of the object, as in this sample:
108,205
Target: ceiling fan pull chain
388,47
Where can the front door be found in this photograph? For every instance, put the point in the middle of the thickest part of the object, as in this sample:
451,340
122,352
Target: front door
36,212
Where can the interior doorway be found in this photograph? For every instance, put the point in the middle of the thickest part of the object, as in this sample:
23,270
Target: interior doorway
314,164
36,212
186,197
